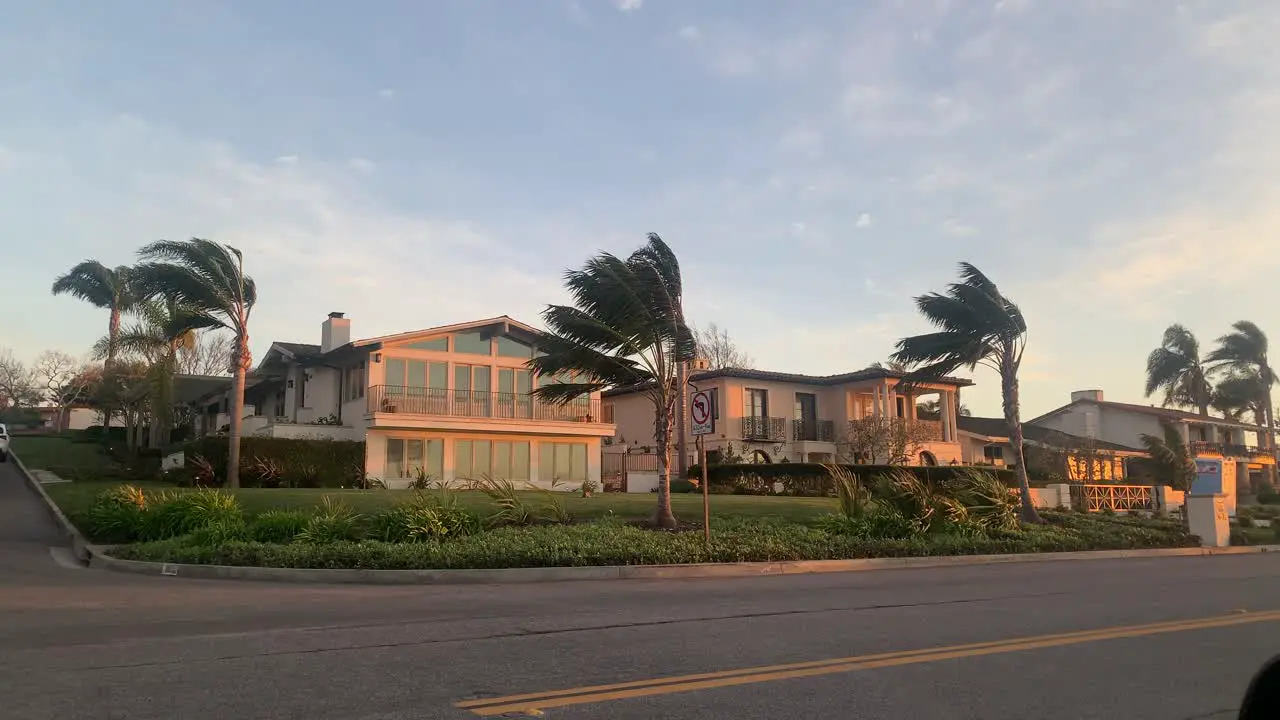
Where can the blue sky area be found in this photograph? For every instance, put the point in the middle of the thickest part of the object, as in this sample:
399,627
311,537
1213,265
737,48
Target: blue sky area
1113,165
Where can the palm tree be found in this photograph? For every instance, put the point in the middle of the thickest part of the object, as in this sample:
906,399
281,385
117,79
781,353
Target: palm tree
208,280
1176,368
1173,461
1244,351
1239,393
626,327
977,325
102,287
164,329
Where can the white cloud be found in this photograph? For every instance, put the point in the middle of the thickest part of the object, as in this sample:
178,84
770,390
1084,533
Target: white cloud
863,220
287,159
628,5
1012,7
362,165
387,93
797,228
690,33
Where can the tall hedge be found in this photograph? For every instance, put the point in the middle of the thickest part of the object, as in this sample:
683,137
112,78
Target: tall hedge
813,480
301,463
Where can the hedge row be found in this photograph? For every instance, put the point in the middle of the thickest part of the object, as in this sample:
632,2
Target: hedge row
813,480
291,462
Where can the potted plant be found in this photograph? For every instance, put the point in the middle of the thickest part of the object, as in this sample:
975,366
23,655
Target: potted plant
588,487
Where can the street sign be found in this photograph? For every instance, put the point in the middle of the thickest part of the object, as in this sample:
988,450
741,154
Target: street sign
700,409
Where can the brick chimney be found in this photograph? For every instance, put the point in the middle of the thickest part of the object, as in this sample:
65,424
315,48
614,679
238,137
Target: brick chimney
335,332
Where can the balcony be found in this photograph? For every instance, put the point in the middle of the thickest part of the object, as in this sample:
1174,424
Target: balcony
813,431
764,429
1200,447
438,402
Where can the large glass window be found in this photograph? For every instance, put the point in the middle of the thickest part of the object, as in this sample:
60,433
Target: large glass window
510,347
755,403
353,388
441,344
562,462
406,457
472,386
472,343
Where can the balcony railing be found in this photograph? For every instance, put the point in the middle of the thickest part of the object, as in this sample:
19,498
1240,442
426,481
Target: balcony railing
477,404
813,430
922,430
1201,447
768,429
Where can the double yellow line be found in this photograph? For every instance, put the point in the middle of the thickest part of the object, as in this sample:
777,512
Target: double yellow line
745,676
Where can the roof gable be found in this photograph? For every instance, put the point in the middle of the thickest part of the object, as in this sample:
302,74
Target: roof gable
1160,413
506,324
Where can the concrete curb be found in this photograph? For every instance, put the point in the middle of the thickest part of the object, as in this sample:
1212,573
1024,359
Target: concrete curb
96,556
79,547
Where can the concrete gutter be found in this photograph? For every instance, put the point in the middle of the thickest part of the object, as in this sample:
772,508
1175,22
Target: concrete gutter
96,556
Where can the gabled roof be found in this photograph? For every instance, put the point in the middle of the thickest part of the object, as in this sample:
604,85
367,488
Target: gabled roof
505,321
1168,414
297,350
996,430
769,376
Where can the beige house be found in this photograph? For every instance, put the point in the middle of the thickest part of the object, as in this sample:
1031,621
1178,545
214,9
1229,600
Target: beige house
450,402
779,417
985,441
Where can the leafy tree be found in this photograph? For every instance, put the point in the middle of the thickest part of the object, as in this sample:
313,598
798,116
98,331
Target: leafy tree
718,348
1176,368
18,387
1244,352
626,327
102,287
1173,463
207,279
977,325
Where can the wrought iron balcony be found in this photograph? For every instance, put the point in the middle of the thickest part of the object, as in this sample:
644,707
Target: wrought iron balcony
813,430
766,429
477,404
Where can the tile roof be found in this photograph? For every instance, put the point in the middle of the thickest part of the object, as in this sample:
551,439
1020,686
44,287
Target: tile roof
769,376
996,428
298,349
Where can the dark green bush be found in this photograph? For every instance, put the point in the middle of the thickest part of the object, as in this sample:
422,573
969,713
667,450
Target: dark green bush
1269,497
614,543
283,461
428,518
332,522
683,486
277,526
813,480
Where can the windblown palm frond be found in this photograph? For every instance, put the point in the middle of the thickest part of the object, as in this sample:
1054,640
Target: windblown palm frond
1176,368
626,327
1174,464
1239,393
1244,352
96,284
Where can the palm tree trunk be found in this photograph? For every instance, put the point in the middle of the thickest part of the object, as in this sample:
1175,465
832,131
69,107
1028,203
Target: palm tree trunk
1271,440
1014,422
662,516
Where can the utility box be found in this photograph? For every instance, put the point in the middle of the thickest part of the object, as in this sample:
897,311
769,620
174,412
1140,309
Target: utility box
1207,518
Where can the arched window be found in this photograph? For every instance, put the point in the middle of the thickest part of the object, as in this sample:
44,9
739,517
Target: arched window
928,458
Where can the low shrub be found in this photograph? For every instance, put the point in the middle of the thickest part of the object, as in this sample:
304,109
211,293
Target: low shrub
1269,497
295,462
814,479
117,515
172,514
277,526
615,543
683,486
221,531
333,522
429,517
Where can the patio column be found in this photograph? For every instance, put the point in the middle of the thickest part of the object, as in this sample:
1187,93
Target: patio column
944,414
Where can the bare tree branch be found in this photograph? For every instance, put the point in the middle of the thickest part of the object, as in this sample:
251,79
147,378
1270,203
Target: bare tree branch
17,383
718,348
209,355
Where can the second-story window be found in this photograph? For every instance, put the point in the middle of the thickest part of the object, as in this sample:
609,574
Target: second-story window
755,403
355,382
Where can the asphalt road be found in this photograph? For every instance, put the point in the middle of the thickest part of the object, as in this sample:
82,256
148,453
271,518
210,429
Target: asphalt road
79,643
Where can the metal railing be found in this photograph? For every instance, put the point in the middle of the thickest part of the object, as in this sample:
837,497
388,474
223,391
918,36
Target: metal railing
1119,498
813,430
478,404
769,429
1199,447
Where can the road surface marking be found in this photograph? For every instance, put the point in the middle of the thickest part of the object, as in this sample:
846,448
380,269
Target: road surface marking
745,676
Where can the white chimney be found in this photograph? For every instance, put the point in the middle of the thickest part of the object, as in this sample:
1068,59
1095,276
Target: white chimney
335,332
1094,395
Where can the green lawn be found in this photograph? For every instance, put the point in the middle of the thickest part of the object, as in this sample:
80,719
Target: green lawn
74,498
54,452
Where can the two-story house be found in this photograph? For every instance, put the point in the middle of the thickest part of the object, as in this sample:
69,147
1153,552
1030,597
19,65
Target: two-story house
1241,447
778,417
451,402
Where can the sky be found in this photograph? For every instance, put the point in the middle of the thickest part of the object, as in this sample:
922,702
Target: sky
1112,164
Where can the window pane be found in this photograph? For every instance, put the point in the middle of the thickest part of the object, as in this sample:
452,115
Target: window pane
462,460
395,458
502,460
506,380
520,461
433,344
562,461
395,372
413,457
461,377
578,464
471,343
481,462
434,462
417,376
510,347
439,378
524,382
480,381
546,461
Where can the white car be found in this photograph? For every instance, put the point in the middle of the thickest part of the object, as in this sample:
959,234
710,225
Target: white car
4,443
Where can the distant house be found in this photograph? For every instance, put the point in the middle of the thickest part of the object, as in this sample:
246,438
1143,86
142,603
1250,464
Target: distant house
450,402
985,441
777,417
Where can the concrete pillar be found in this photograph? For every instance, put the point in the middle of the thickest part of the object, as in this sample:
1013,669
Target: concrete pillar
1184,431
1207,518
1213,435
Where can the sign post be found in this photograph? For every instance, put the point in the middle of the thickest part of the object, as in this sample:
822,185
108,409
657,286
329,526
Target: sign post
702,411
